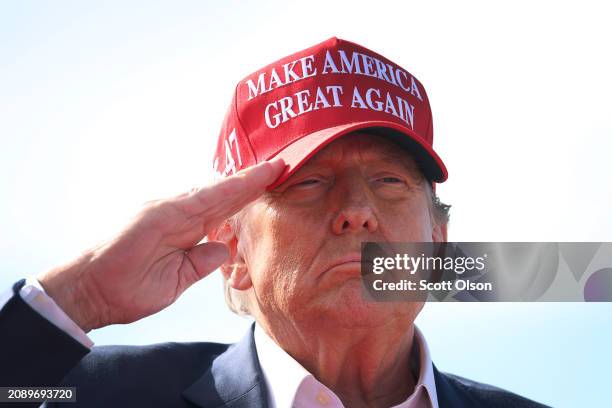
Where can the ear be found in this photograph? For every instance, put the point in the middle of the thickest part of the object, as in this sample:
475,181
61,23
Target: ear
439,233
234,269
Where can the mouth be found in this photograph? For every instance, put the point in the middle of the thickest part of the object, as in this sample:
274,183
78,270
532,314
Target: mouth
348,263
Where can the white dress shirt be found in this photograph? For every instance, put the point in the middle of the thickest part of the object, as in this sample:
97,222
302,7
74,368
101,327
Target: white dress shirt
291,386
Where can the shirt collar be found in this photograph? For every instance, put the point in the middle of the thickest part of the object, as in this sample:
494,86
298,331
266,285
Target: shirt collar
426,374
284,375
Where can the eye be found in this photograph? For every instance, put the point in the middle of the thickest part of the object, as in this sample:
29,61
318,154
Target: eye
390,179
306,182
311,182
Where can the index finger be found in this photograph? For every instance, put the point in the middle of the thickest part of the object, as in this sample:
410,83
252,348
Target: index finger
226,197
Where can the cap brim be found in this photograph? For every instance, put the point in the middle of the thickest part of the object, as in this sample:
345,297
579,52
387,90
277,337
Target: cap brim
300,151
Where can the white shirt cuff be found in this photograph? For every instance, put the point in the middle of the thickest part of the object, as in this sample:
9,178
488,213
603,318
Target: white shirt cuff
35,296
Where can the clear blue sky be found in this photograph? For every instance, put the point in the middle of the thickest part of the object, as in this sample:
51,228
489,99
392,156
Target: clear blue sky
106,105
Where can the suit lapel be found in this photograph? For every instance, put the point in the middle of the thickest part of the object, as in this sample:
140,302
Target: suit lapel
234,380
449,395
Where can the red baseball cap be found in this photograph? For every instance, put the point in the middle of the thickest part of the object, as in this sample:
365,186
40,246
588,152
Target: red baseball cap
297,105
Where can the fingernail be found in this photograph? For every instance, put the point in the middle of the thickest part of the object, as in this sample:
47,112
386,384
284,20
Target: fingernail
277,163
272,172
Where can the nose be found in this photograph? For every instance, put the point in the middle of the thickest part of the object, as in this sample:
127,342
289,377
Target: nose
355,213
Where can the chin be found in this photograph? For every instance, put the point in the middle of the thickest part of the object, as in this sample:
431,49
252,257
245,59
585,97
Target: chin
347,307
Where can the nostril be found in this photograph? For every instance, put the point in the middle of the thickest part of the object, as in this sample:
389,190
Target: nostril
345,225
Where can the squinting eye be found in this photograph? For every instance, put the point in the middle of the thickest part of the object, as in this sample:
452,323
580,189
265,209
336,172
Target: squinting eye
307,182
390,179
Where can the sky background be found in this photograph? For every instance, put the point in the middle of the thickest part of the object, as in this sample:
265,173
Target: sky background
107,105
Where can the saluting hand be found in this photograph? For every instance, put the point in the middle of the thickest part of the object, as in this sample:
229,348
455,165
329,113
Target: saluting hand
149,264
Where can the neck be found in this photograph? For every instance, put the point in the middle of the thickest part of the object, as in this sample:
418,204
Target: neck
365,367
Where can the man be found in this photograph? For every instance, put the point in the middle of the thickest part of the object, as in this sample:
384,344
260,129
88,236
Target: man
319,152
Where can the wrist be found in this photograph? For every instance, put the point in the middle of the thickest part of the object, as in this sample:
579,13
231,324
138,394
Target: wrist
66,286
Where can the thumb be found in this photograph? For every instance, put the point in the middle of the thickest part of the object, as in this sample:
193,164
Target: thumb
207,257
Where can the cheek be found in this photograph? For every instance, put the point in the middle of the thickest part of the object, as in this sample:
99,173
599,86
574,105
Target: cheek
298,231
408,221
278,253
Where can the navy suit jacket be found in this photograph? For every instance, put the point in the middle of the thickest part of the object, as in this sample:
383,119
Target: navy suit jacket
34,352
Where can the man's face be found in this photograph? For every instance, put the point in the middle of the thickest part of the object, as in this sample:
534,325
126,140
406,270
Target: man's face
360,187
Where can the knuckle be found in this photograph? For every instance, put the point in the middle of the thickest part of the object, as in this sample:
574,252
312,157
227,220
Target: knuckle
149,204
194,191
157,209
